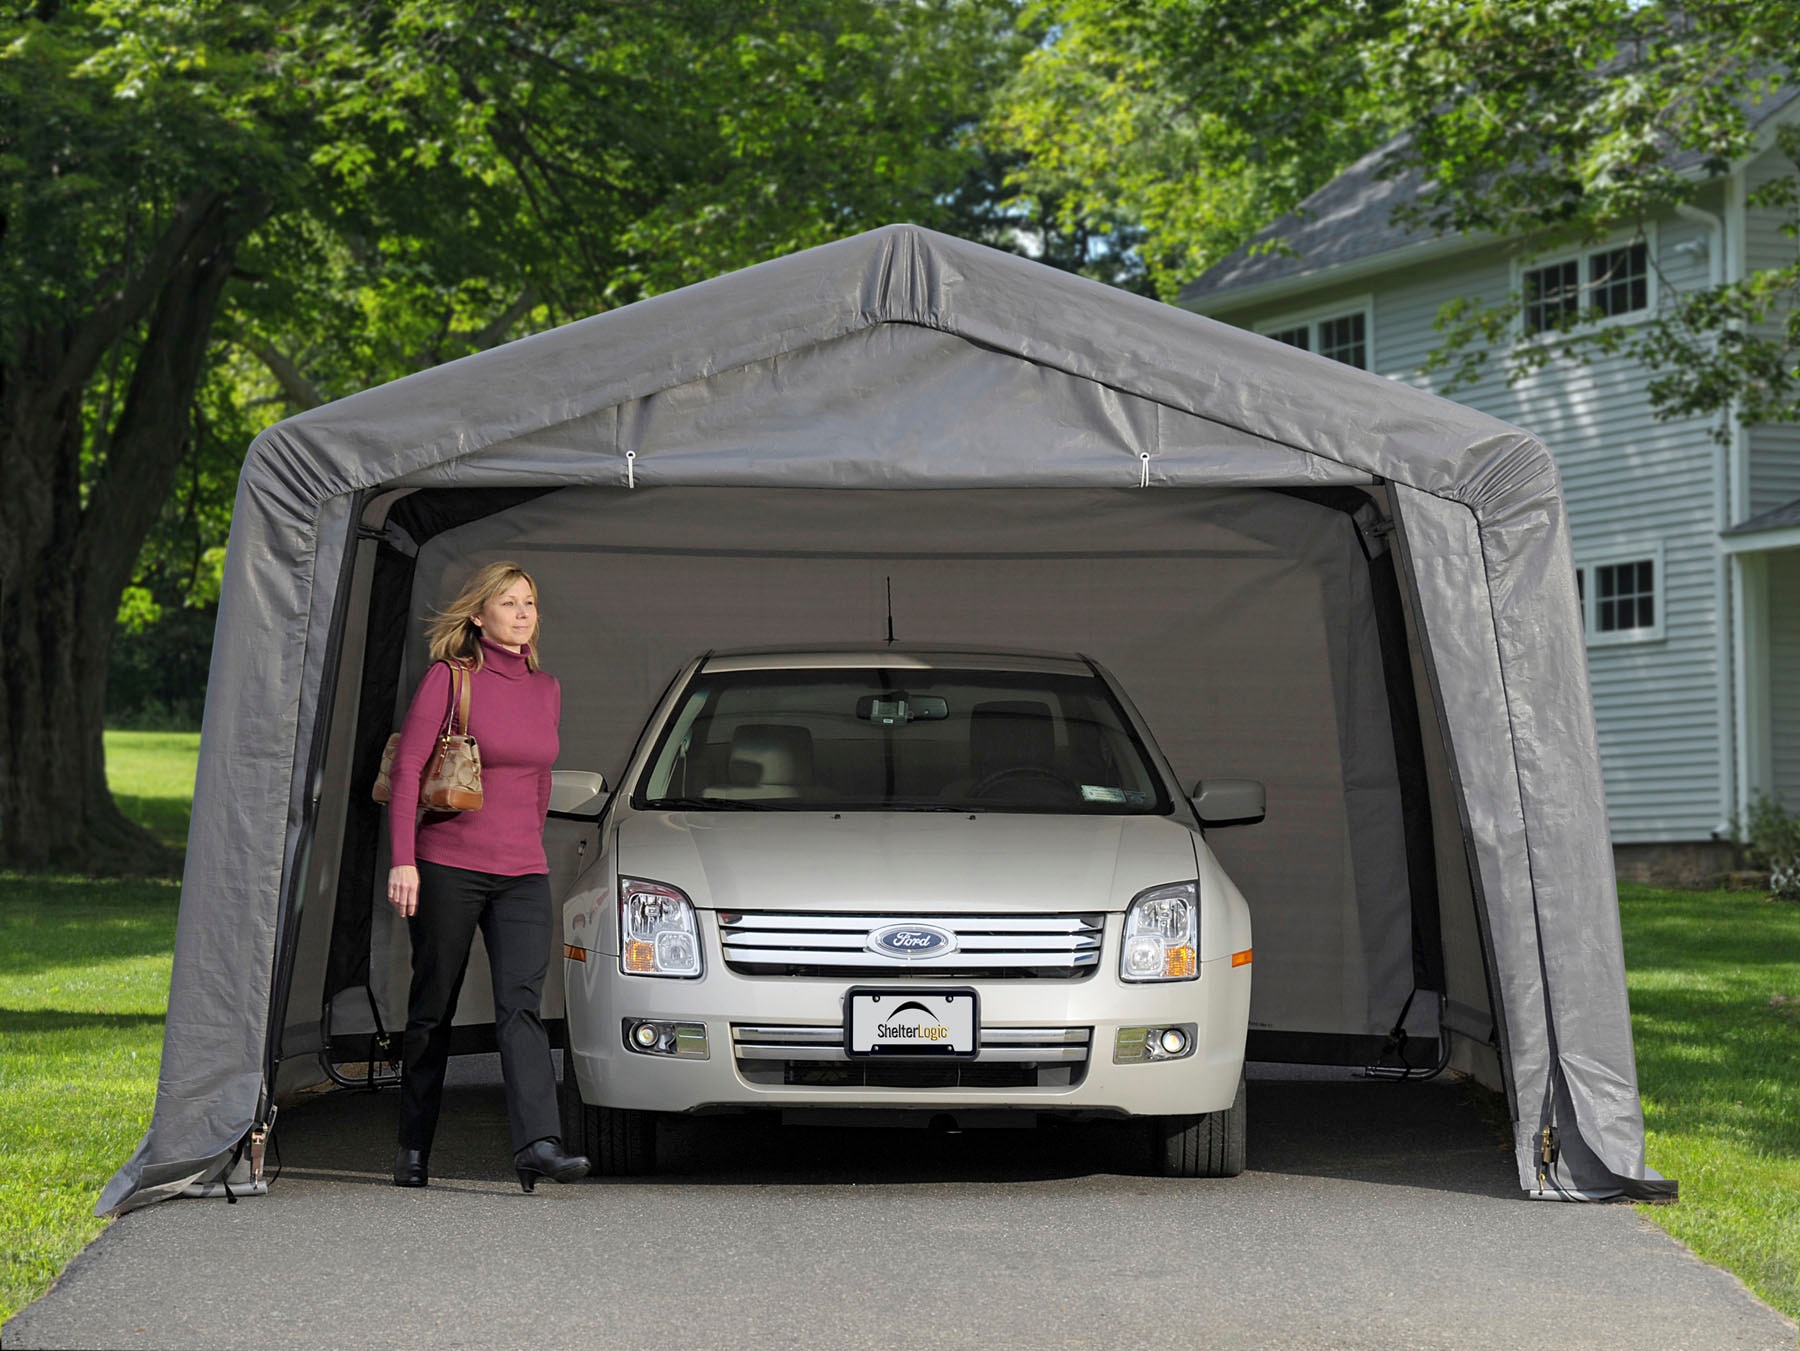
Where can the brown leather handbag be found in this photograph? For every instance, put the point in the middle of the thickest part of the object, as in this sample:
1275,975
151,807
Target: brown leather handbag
451,781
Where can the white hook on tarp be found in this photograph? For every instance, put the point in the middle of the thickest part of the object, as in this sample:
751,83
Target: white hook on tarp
1144,481
631,469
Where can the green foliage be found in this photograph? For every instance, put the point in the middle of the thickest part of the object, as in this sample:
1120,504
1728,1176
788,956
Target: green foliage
1771,839
84,983
1177,128
216,212
1714,979
1562,121
442,176
1195,123
482,179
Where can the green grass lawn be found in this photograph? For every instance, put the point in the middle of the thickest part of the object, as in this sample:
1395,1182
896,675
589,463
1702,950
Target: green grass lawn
1715,1009
84,976
152,778
84,982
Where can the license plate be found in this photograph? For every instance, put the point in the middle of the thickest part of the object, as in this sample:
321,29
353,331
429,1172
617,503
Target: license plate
931,1024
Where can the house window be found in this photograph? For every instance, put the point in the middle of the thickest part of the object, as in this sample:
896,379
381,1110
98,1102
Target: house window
1552,296
1604,284
1620,279
1341,335
1345,339
1620,598
1625,596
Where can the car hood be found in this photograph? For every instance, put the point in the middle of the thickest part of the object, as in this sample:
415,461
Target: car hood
905,862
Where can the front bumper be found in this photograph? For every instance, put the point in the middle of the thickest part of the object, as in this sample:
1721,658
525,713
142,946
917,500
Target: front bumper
602,1001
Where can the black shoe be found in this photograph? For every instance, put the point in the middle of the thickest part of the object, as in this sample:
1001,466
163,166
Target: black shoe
545,1158
409,1168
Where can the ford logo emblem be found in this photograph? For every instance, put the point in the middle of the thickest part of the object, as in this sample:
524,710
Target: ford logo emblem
907,941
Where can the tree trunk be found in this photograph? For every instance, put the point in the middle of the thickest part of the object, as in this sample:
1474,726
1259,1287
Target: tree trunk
64,562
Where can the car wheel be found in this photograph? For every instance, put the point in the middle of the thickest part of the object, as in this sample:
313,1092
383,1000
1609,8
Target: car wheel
1202,1146
618,1142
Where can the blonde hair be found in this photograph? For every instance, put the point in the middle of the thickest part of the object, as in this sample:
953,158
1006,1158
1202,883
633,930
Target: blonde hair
453,634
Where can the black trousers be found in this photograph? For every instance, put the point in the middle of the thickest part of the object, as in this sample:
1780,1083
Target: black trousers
514,917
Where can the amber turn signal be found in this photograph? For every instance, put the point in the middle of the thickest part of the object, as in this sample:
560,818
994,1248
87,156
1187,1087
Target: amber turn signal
1179,963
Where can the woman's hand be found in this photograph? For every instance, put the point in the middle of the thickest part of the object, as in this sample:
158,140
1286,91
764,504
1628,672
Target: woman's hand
403,889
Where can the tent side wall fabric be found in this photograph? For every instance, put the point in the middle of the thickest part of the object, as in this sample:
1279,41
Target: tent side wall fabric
1153,397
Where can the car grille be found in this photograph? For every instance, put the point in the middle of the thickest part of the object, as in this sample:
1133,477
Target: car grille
988,947
793,1056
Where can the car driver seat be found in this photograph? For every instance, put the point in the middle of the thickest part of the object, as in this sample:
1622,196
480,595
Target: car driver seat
1010,734
767,761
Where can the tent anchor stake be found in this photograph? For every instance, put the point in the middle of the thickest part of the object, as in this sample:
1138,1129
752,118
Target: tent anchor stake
259,1142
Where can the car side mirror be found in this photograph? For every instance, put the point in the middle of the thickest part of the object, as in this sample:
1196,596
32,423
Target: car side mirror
1230,802
578,793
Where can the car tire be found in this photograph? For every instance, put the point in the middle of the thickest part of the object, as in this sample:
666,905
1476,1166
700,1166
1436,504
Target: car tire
1202,1146
618,1142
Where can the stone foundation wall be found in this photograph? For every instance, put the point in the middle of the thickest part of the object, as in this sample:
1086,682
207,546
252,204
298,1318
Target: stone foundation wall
1697,864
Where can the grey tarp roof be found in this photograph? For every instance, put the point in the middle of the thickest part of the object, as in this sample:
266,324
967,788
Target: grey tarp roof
1142,394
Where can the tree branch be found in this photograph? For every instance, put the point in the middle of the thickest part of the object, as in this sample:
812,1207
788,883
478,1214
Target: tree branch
300,392
152,429
127,305
497,328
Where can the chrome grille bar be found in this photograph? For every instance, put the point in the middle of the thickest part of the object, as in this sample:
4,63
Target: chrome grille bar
825,1045
741,920
948,964
967,942
798,943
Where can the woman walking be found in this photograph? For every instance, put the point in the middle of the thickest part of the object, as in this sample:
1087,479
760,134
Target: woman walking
454,871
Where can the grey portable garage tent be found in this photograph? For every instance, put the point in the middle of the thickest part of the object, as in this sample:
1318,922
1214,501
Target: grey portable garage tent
1359,593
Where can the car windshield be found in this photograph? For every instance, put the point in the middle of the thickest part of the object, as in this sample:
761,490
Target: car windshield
900,740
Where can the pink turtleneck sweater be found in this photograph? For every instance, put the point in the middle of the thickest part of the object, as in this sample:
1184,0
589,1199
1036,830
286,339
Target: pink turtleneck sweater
513,716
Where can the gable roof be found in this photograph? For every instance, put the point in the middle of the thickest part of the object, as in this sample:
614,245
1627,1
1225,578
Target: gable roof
1347,228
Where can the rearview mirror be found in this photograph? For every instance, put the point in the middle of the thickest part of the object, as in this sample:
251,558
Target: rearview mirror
897,707
1230,802
579,793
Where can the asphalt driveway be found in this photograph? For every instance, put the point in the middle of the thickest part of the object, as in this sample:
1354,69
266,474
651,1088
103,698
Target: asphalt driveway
1374,1215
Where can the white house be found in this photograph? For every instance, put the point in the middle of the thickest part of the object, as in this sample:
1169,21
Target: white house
1687,543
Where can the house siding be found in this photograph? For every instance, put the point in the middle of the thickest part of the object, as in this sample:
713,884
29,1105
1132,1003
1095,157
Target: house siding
1774,449
1784,678
1631,482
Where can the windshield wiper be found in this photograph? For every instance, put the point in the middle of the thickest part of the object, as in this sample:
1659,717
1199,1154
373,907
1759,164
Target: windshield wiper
707,804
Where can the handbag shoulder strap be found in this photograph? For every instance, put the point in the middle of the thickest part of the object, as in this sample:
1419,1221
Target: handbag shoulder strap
461,681
448,726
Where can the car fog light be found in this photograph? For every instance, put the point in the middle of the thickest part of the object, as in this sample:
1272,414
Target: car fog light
684,1041
1141,1045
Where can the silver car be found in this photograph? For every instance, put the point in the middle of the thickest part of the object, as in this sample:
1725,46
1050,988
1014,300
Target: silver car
962,887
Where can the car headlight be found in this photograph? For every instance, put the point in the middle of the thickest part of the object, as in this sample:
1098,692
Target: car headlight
1162,934
659,934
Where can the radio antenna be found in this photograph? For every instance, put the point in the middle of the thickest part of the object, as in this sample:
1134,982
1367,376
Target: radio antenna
890,604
